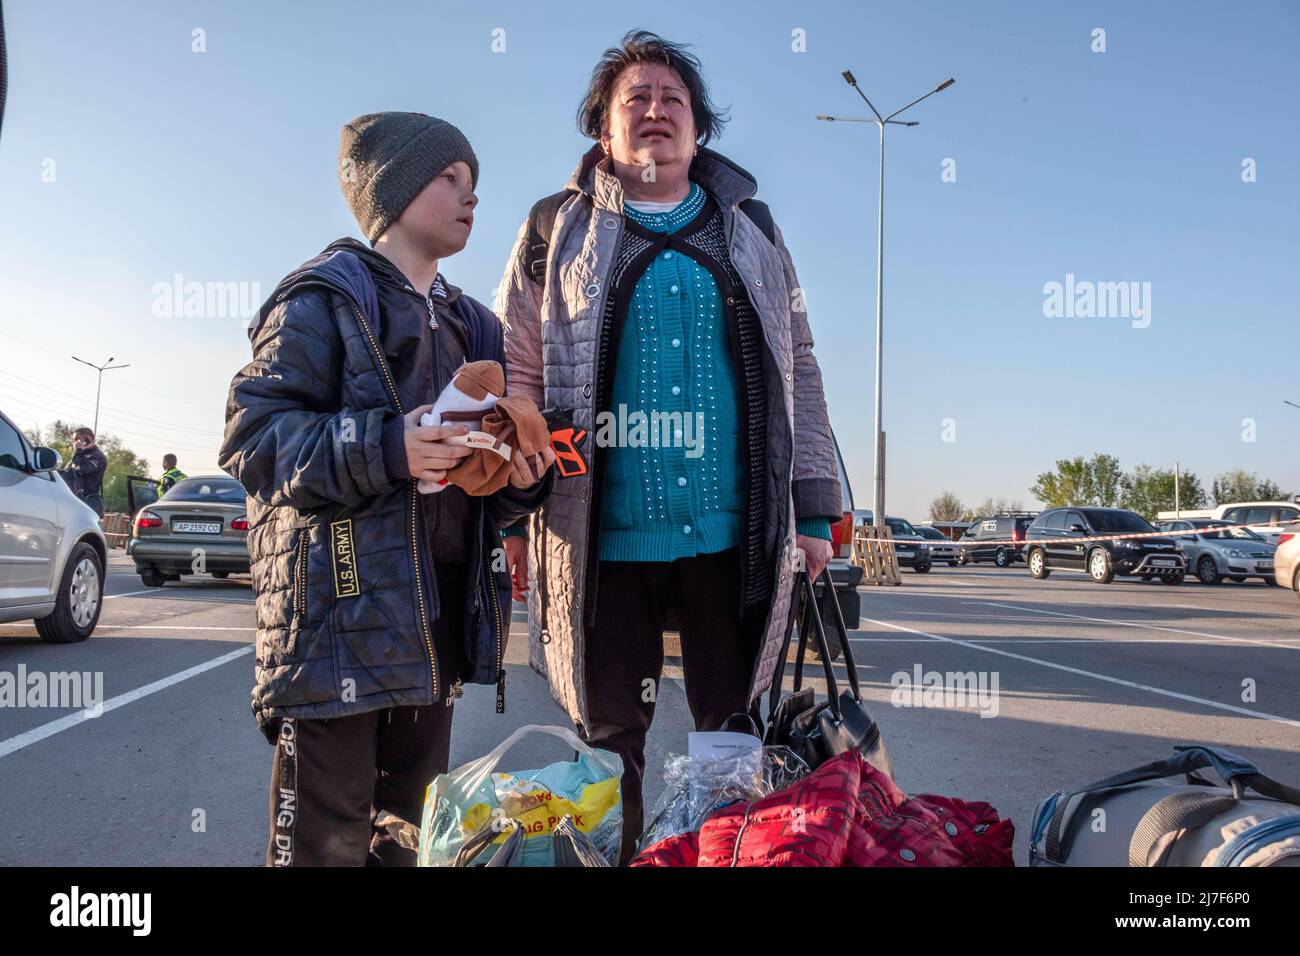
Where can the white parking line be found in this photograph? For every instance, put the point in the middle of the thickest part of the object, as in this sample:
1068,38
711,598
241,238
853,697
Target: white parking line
1149,627
27,738
1202,701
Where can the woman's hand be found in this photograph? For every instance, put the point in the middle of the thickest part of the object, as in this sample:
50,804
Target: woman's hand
817,553
517,560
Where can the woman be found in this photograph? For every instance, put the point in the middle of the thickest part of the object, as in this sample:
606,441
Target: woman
656,288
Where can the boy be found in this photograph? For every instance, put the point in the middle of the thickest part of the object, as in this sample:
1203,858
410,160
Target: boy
374,602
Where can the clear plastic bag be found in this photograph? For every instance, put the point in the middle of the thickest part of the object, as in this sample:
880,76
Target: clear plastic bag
695,787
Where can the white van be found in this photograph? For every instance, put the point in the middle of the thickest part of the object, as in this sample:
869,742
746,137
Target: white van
1266,518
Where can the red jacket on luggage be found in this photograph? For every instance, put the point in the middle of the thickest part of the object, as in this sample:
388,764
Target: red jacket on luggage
845,813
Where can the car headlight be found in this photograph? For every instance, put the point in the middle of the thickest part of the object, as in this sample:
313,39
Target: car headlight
1234,553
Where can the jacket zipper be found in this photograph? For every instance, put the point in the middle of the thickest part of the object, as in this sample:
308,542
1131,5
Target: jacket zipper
300,575
496,613
735,851
414,496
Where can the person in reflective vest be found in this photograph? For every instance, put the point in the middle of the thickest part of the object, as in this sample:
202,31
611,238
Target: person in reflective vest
171,474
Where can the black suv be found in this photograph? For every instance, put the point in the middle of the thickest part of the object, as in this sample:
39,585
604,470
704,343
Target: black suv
1054,544
986,539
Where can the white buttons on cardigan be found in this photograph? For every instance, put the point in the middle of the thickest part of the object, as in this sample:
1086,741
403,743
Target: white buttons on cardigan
686,529
681,482
677,343
668,254
673,290
907,854
677,389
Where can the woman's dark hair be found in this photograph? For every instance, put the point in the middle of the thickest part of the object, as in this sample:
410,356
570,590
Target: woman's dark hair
642,46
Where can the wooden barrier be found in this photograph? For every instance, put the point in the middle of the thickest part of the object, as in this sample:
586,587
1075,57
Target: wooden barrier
117,528
873,551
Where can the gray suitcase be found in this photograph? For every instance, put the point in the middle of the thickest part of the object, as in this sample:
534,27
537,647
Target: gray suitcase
1143,818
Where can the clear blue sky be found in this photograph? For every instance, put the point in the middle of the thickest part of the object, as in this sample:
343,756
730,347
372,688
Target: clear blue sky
1115,166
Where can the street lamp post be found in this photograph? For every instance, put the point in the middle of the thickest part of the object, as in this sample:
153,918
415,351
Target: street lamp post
878,505
101,369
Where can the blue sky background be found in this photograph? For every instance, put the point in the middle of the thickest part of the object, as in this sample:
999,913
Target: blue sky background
1115,166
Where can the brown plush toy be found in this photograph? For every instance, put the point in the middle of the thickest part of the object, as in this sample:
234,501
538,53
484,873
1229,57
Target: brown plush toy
499,428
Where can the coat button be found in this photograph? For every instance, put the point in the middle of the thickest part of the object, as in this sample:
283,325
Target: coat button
610,224
787,376
759,283
907,854
951,828
586,390
593,290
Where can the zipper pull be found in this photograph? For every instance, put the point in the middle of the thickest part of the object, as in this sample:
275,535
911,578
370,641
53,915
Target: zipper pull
433,319
501,691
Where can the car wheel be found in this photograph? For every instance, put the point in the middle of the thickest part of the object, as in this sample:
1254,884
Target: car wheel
152,578
1001,558
1147,577
1099,568
221,575
1207,571
962,559
952,564
922,568
1038,564
79,601
1295,583
1175,578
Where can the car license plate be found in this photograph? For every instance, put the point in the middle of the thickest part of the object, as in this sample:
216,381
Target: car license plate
1264,568
196,527
905,552
1163,562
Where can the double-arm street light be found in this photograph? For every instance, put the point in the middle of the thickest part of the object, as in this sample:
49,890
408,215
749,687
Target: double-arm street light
101,369
878,509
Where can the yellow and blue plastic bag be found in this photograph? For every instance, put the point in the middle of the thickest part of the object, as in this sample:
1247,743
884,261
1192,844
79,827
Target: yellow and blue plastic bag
460,803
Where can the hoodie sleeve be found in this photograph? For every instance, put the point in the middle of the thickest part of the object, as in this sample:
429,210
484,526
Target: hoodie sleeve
286,440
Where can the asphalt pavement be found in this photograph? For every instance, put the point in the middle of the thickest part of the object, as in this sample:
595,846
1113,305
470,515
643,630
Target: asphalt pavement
1080,680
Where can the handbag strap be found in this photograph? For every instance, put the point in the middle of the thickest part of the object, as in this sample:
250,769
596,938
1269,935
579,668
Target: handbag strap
843,635
1178,811
811,610
778,676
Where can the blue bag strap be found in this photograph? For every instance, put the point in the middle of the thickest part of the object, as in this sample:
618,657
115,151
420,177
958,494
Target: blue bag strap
486,340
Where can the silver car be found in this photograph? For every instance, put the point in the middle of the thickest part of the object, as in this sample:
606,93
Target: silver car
199,526
1214,552
52,546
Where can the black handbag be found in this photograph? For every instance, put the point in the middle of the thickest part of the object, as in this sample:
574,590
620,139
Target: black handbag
818,732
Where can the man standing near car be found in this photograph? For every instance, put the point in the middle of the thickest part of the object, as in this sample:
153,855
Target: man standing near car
85,473
171,474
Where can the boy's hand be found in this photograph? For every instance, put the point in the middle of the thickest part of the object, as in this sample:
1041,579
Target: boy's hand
427,455
526,472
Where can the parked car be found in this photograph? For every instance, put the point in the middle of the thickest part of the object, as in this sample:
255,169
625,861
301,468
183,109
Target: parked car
845,576
1054,542
986,539
1214,552
1266,518
942,547
52,545
910,548
1286,562
199,526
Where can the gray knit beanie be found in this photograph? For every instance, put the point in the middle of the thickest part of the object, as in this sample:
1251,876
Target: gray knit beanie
385,159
